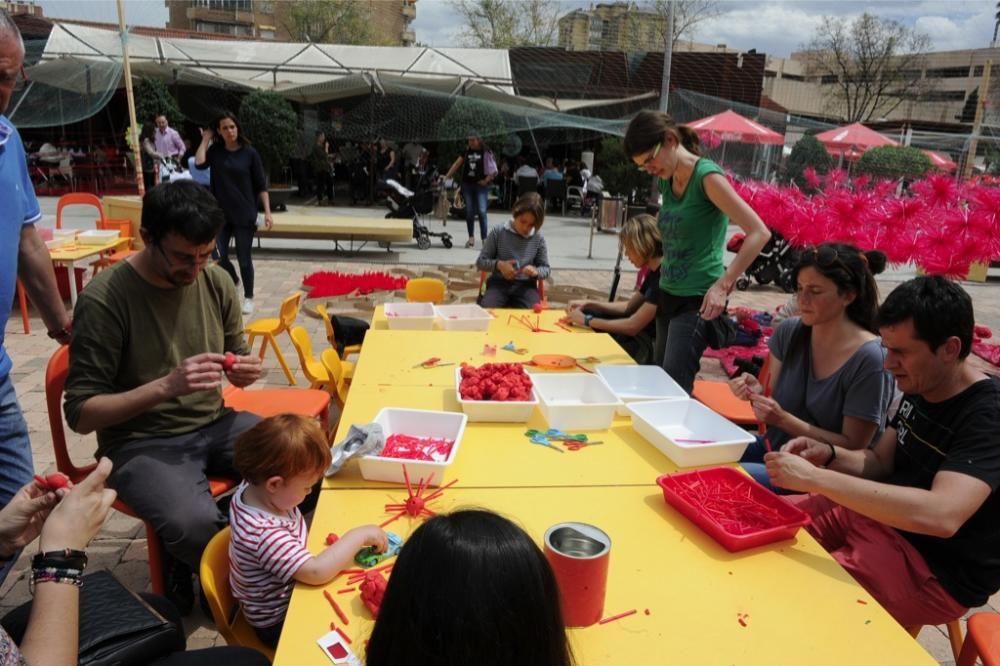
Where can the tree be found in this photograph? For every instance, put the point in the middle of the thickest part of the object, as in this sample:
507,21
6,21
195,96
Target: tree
153,98
894,162
869,66
331,22
807,152
617,172
687,15
504,24
270,124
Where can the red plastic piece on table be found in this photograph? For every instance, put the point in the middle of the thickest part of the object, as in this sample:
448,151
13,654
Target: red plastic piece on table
372,591
229,361
617,617
331,539
862,601
343,635
538,307
415,503
407,447
731,507
56,481
646,611
336,607
495,381
346,590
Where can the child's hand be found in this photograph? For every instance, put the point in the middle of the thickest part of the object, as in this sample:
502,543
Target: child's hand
575,305
745,385
507,269
530,271
369,535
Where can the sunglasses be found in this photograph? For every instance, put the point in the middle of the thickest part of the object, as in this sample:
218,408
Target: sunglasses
652,156
823,256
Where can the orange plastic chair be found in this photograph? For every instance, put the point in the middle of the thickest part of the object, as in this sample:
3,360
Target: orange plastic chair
124,229
482,286
214,576
425,290
331,336
269,329
337,386
716,396
79,199
55,382
954,635
22,301
982,642
271,402
313,369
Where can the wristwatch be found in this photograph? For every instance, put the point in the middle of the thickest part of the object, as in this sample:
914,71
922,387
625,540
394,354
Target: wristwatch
587,319
61,333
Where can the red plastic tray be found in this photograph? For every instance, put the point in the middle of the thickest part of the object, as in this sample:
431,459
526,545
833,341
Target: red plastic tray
783,520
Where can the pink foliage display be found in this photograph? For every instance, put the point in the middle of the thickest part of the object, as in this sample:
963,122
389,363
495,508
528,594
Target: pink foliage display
941,225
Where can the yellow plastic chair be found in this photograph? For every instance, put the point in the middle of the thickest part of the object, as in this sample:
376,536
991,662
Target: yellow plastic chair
331,336
311,367
425,290
228,617
269,329
337,386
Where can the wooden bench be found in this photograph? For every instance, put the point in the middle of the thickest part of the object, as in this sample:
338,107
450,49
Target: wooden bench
339,228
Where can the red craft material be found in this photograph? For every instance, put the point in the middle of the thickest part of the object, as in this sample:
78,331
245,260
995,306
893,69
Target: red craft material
336,607
372,591
346,590
495,381
327,283
526,322
331,539
52,481
742,618
229,361
862,602
415,503
406,447
617,617
579,555
732,508
342,634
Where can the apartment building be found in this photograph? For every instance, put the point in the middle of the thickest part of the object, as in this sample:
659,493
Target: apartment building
620,26
267,19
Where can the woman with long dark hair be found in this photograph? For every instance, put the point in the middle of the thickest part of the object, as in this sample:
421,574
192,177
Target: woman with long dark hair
239,183
827,379
478,170
470,587
698,204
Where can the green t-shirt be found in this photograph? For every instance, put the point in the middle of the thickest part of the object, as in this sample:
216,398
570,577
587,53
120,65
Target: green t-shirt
126,333
694,234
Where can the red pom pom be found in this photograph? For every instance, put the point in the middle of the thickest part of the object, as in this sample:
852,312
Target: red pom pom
56,481
229,361
331,539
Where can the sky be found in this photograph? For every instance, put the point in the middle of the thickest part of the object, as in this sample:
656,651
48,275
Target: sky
776,27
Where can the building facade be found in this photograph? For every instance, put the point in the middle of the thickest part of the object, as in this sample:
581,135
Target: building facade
267,19
612,27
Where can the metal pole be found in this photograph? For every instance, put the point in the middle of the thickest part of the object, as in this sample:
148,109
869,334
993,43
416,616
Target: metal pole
984,89
130,97
668,55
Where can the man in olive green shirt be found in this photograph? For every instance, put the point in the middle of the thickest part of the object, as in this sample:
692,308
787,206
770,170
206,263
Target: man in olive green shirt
146,370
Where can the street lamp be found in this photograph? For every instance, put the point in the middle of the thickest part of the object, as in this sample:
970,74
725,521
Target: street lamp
996,27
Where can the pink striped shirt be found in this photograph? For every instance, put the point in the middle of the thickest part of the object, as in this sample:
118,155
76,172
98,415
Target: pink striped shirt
265,551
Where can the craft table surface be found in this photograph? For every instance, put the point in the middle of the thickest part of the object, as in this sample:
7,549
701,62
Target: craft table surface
501,321
499,454
801,607
394,357
78,251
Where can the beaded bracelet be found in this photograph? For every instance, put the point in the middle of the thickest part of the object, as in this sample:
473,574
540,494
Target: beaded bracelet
55,575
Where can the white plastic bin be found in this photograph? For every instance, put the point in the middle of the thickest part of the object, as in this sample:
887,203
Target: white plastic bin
415,423
97,236
638,383
496,411
410,316
469,317
665,423
573,401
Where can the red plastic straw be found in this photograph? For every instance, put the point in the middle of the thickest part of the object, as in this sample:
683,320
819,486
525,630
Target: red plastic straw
336,607
346,590
617,617
767,445
342,635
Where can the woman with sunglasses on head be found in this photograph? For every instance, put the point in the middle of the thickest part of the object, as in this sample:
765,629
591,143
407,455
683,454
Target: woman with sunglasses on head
698,204
827,379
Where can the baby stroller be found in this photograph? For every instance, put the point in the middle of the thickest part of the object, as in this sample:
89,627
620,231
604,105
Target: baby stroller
404,203
774,263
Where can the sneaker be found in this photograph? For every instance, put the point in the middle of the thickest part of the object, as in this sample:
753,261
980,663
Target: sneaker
247,306
470,243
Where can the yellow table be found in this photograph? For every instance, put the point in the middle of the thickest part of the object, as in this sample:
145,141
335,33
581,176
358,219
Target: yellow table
68,255
393,357
503,323
801,607
498,454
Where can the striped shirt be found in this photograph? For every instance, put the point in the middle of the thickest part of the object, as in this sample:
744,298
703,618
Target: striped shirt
265,551
503,243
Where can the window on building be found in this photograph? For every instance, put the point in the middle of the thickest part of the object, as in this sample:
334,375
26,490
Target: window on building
226,5
267,34
944,96
948,73
770,74
827,79
793,77
977,71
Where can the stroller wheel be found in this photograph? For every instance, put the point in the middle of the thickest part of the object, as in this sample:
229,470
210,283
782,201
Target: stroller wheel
423,242
743,283
446,241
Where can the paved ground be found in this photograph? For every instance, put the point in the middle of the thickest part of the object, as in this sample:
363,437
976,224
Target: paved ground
280,266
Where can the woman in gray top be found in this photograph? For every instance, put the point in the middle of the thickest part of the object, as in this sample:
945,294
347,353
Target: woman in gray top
827,379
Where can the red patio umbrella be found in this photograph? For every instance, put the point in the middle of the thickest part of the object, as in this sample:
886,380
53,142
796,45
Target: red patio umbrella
852,138
939,161
731,126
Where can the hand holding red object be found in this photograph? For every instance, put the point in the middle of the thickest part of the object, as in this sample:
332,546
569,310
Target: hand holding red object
244,370
229,361
52,481
201,372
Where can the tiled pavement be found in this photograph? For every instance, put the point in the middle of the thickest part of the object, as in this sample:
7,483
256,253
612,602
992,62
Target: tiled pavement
121,545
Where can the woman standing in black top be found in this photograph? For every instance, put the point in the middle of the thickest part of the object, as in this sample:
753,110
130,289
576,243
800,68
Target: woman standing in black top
476,179
238,182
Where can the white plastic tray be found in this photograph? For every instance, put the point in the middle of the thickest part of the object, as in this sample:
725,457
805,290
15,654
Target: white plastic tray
638,383
664,422
573,401
97,236
495,411
468,317
409,316
416,423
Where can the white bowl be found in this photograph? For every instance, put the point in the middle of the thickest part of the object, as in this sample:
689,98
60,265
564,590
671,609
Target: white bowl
666,423
496,411
638,383
573,401
409,316
97,236
416,423
468,317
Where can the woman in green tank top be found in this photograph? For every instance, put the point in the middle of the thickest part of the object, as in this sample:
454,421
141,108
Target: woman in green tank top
698,203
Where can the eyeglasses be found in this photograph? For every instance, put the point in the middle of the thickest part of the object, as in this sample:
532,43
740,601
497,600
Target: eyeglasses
14,80
652,156
187,261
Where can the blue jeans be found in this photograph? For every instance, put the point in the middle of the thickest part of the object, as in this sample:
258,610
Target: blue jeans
680,337
753,463
476,199
16,466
